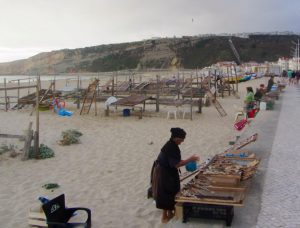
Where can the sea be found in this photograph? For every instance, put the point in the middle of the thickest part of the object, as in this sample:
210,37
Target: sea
29,78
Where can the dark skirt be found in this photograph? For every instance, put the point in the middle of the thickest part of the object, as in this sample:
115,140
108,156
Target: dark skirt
165,185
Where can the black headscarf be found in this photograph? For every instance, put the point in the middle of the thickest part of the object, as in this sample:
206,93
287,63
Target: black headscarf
177,132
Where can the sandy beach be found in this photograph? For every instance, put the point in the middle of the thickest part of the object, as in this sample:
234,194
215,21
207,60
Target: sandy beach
108,171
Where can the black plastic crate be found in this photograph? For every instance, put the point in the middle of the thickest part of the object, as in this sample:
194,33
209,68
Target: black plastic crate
208,211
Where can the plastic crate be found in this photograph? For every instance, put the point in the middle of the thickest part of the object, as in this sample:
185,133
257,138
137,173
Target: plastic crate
208,211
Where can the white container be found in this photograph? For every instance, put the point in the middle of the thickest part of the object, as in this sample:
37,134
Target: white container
263,105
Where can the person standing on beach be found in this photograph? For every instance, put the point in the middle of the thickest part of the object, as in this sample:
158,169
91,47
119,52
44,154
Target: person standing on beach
249,99
297,77
270,83
290,74
165,180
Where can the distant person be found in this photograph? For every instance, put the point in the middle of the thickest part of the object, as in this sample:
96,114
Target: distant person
249,99
258,95
130,84
284,74
290,74
165,180
293,77
270,83
262,88
297,77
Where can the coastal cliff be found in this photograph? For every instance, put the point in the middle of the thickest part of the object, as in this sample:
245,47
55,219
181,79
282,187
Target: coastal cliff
160,53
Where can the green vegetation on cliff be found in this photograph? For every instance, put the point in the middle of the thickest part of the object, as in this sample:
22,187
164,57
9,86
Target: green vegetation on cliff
191,52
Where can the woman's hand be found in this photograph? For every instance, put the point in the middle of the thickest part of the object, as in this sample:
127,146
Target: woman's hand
194,158
184,162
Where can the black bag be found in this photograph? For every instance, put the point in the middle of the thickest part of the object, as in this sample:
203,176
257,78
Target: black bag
150,190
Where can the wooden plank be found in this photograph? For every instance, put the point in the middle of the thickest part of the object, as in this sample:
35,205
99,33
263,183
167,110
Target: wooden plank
17,87
221,175
209,201
186,175
39,215
36,148
17,80
37,219
47,91
39,223
227,188
242,143
10,97
131,100
12,136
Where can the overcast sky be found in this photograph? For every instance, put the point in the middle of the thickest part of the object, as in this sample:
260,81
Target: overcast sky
29,27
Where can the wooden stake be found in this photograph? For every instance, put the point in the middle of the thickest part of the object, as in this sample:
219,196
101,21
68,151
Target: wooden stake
157,92
36,142
27,144
191,97
5,94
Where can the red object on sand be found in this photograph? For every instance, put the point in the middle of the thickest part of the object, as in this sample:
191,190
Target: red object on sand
240,124
251,114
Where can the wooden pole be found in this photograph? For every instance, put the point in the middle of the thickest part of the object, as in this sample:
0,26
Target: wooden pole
113,86
28,91
209,82
18,91
98,87
178,85
200,105
197,77
36,141
191,97
201,79
95,96
54,81
215,84
236,80
5,94
116,91
221,84
27,143
157,92
95,104
78,99
229,85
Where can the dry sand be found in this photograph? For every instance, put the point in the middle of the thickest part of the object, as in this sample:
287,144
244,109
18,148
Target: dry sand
109,170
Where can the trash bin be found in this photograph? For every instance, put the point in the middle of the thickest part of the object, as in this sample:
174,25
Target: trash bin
126,112
263,105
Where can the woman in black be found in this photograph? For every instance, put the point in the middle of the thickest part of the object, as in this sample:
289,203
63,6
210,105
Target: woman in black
166,183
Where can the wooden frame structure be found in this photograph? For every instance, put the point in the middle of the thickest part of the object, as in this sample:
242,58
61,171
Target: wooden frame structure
30,134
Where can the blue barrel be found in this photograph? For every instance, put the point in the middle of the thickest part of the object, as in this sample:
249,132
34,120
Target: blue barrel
126,112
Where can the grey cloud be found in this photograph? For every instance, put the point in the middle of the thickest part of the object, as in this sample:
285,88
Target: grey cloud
42,24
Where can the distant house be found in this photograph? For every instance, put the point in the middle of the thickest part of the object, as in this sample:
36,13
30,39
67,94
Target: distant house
294,63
